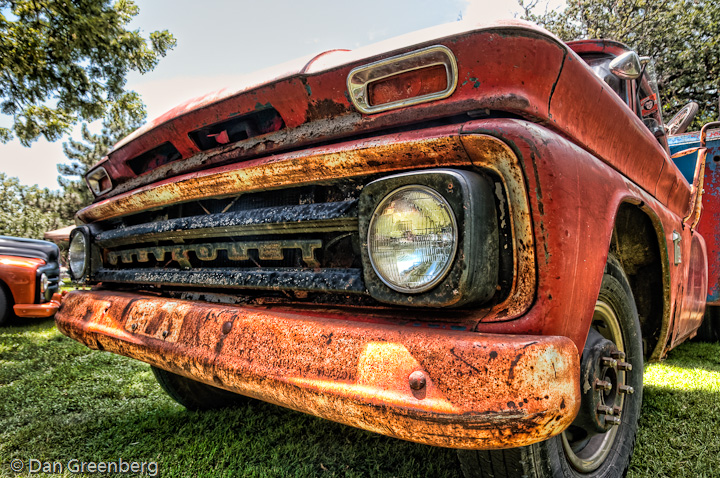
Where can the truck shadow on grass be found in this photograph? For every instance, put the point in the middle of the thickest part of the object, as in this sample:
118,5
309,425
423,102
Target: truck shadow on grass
60,401
260,439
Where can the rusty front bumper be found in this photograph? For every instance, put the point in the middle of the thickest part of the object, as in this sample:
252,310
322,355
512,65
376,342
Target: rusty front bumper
438,387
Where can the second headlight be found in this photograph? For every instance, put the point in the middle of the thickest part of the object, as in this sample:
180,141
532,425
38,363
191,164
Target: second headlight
78,254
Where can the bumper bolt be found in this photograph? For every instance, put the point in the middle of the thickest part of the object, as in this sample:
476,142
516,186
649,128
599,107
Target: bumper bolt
614,421
602,385
133,327
417,380
626,389
165,333
624,366
609,362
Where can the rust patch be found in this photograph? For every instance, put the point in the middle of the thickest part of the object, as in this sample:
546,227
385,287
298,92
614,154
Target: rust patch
292,169
325,108
491,153
509,102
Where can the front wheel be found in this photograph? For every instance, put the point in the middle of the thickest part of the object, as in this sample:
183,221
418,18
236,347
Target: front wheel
6,310
195,395
599,443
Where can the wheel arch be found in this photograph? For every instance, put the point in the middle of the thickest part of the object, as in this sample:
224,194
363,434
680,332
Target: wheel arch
638,242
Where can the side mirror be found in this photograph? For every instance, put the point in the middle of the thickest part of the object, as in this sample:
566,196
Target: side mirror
627,66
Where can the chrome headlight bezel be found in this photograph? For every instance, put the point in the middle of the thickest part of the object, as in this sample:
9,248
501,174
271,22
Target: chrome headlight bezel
99,181
472,276
79,237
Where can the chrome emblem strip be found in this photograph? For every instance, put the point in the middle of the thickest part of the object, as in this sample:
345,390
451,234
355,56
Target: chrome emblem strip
236,251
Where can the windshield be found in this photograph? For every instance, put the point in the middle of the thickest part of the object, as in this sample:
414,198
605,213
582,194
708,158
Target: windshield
600,65
649,95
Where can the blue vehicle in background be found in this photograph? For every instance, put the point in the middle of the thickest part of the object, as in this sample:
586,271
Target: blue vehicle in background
709,224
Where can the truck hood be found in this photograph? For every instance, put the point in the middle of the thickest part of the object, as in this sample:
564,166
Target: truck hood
507,68
305,101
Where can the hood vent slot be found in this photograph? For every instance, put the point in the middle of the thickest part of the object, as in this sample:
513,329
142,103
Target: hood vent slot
237,129
156,157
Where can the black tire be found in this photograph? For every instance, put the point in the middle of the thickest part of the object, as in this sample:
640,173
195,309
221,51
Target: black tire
551,458
6,310
195,395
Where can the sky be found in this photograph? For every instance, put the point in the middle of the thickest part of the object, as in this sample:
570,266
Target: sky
220,40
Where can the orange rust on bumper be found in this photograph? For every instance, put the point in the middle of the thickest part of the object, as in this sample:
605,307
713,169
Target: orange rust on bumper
480,391
47,309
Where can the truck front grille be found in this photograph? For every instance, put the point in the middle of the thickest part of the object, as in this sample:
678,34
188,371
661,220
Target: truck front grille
304,239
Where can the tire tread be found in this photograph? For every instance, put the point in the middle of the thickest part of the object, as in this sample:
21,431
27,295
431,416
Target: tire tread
546,459
195,395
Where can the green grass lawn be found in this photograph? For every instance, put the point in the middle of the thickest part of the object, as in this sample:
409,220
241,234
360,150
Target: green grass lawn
61,401
679,432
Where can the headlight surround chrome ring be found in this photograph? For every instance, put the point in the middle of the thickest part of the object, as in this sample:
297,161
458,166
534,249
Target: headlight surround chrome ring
412,239
78,256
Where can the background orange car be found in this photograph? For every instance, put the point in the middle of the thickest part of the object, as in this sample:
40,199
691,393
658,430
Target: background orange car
29,277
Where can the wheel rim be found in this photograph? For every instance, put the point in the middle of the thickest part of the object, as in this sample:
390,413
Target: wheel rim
587,454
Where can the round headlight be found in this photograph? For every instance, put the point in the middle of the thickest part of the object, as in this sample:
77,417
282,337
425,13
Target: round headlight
412,239
77,255
44,283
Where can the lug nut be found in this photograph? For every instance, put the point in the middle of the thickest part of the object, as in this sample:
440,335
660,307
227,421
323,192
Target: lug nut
602,385
417,380
617,355
617,411
605,410
624,366
608,362
626,389
614,421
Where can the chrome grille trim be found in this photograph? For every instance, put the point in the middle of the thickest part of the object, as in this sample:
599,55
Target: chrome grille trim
236,251
292,219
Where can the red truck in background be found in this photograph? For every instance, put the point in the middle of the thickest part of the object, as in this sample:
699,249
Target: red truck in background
29,278
469,237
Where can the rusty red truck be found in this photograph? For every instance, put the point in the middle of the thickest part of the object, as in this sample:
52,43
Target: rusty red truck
469,237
